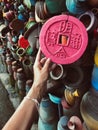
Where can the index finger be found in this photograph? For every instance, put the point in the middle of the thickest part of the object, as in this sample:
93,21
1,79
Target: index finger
38,56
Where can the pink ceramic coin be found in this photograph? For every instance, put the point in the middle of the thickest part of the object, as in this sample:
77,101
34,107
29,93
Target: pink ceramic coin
63,39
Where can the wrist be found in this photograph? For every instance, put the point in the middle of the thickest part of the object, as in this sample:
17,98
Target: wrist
36,91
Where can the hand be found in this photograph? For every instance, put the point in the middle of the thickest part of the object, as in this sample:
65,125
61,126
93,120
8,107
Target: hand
41,69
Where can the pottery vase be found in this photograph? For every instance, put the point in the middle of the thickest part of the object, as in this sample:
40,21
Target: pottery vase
89,109
47,115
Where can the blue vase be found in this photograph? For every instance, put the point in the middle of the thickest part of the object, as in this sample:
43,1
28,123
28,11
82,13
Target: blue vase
47,126
62,124
21,17
32,2
94,80
47,115
76,6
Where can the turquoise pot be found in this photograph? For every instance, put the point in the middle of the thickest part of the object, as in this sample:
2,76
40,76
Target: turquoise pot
21,17
62,124
55,6
94,79
76,6
57,100
54,99
29,3
47,110
47,126
47,115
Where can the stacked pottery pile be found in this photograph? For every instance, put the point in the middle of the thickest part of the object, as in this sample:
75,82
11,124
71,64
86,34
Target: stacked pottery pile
67,33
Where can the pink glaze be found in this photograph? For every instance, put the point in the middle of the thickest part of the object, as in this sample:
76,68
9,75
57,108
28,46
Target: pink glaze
72,47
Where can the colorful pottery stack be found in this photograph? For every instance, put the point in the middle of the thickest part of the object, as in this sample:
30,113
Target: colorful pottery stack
67,33
70,103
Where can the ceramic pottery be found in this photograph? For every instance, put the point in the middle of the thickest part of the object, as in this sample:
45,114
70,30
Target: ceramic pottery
27,65
14,49
16,25
29,3
73,33
47,115
89,109
94,79
47,110
76,6
74,76
28,85
75,123
41,11
96,56
57,72
22,42
20,52
32,34
55,6
71,96
62,123
89,20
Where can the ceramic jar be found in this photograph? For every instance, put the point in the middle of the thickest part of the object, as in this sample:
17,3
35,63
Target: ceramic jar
89,109
74,76
28,85
47,115
62,123
94,79
55,6
71,97
28,68
58,72
96,56
20,52
40,10
89,20
21,83
9,65
75,123
14,49
76,6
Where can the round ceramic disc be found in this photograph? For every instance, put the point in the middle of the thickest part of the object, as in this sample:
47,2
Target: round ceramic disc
22,42
63,39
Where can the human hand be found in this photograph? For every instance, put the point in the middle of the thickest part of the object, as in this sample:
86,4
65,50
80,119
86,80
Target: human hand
41,69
